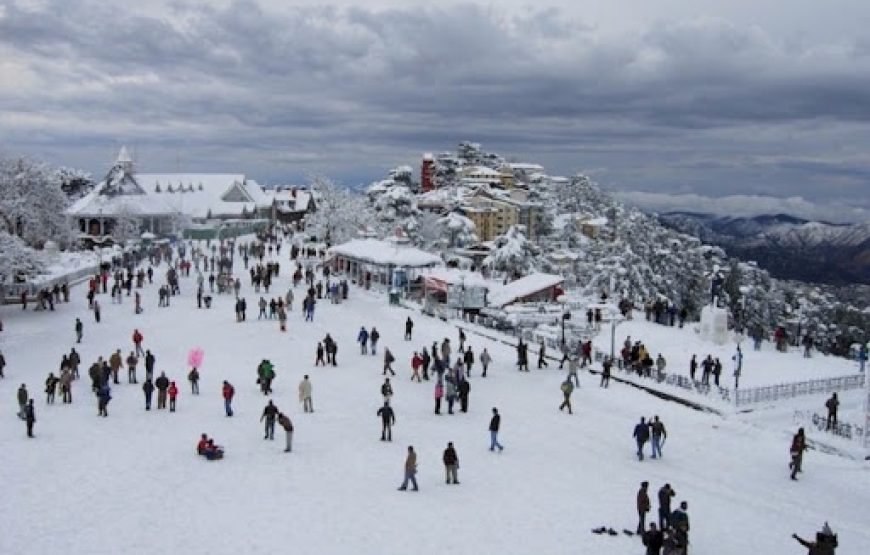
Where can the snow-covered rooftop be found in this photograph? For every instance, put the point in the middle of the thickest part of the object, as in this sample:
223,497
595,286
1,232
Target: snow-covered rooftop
384,253
454,276
523,287
196,195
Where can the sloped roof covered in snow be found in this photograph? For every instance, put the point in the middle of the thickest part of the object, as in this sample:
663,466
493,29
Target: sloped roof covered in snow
523,287
196,195
384,253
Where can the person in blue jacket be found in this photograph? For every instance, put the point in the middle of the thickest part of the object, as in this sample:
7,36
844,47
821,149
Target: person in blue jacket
104,395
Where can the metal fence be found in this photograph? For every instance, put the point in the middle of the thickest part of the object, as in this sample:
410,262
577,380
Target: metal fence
845,430
797,389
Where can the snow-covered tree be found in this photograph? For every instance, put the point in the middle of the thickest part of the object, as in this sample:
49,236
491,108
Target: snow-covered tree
17,259
513,254
74,183
340,213
32,203
457,230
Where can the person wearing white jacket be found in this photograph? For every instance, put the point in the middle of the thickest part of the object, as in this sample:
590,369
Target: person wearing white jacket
305,394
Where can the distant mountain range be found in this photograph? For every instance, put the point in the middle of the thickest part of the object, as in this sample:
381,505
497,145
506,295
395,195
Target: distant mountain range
786,246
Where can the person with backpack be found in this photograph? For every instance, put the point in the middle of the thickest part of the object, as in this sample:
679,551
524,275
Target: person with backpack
388,420
388,361
451,464
227,392
567,388
287,425
148,390
641,436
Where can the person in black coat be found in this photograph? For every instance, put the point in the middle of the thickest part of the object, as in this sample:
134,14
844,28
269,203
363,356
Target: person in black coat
29,417
388,419
653,539
494,425
464,388
162,384
148,390
409,327
451,464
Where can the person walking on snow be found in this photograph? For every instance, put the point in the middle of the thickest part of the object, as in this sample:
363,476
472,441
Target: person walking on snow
567,388
387,390
270,413
666,493
318,359
227,392
542,352
659,435
373,339
439,393
410,470
284,422
137,341
643,506
409,326
798,446
451,464
494,425
832,405
388,419
485,359
193,378
162,384
363,339
416,363
388,361
641,436
305,394
573,367
148,390
23,397
132,362
29,417
173,394
80,328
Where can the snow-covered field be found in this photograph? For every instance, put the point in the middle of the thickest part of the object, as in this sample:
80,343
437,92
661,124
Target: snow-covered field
132,483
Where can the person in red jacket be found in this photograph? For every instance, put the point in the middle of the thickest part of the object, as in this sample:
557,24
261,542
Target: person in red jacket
228,392
200,447
173,393
137,341
416,363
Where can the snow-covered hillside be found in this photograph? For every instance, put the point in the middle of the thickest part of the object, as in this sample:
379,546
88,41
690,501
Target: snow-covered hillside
132,483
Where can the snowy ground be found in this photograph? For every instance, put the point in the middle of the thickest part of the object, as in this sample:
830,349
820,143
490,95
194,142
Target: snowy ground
131,483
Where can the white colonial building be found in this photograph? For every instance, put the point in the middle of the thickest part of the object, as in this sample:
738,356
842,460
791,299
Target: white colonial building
164,203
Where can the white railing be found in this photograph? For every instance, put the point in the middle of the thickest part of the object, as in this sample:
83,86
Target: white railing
787,391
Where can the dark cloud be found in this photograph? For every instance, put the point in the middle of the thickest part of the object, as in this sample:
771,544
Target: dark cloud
683,105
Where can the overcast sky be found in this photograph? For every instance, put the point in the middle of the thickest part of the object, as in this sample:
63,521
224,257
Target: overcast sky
702,98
